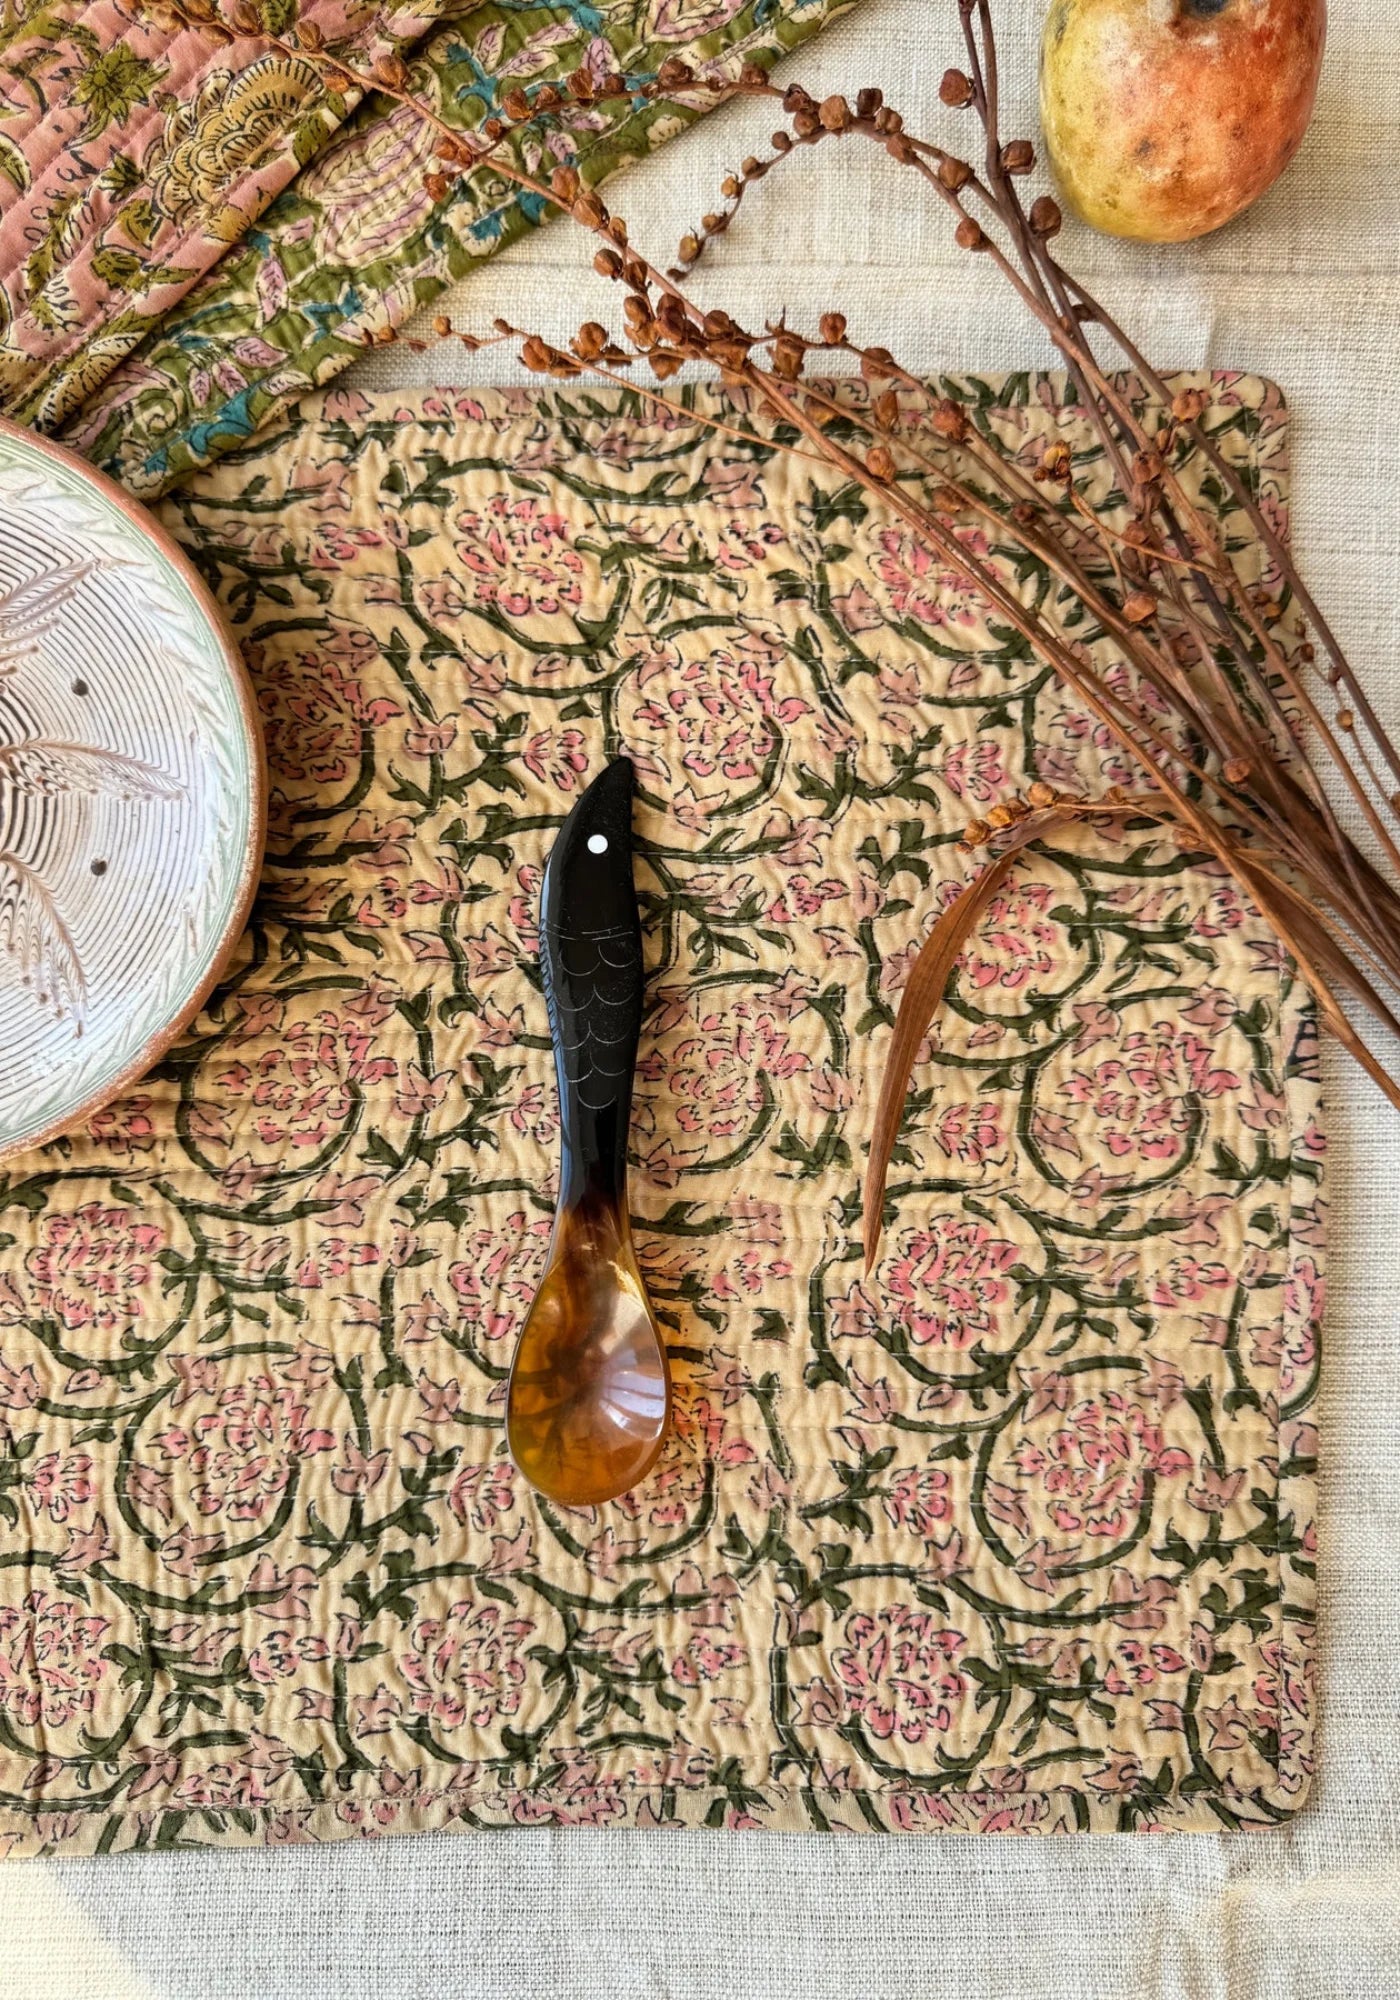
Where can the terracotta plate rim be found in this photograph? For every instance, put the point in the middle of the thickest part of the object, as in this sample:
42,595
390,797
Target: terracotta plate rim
150,531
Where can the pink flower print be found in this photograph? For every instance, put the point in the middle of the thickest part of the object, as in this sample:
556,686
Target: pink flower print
1225,911
517,558
1142,1101
59,1485
483,1494
239,1457
1090,1474
899,1673
921,586
717,719
275,1658
358,1472
733,482
315,716
430,739
742,545
971,1133
858,610
715,1078
557,758
1017,944
90,1268
802,897
1118,1776
51,1665
297,1095
496,1278
1188,1281
705,1658
975,770
468,1665
124,1128
919,1499
950,1282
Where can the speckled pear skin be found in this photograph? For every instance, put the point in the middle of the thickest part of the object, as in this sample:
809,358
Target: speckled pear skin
589,1399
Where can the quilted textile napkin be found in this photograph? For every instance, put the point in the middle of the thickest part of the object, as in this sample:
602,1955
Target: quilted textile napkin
131,156
1015,1534
358,242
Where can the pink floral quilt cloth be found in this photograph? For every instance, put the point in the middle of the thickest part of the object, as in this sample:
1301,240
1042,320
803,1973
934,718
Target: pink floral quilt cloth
131,156
1014,1532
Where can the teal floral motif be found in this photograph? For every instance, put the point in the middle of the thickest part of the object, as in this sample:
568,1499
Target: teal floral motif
1013,1534
357,243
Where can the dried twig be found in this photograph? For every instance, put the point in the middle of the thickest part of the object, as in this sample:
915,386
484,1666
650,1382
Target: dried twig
1223,764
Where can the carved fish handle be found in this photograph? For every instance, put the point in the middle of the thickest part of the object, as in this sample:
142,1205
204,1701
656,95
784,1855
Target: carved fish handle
591,961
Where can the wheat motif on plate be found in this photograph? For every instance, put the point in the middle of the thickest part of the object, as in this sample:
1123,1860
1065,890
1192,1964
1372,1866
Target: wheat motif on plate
33,930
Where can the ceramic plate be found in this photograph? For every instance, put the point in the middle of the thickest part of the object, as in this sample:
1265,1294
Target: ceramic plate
131,791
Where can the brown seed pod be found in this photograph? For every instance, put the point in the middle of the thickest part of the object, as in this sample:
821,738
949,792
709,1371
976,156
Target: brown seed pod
950,420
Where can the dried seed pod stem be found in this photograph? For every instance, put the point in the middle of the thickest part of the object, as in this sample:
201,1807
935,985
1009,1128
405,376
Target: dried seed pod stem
1219,741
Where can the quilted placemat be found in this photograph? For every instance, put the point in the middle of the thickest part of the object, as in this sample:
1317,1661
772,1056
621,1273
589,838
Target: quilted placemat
1017,1534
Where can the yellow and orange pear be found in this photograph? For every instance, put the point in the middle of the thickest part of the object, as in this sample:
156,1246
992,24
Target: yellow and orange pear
1165,118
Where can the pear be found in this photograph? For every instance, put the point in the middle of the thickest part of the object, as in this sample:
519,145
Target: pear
1165,118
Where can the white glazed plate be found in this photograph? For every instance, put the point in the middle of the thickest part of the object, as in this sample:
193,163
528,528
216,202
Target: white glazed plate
132,792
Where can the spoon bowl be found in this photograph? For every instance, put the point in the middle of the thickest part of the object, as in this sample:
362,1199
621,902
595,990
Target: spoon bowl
589,1400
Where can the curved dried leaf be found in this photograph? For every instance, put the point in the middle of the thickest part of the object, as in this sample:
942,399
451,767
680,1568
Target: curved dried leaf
927,983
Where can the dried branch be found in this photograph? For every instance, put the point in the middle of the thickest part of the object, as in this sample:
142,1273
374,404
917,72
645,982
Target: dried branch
1213,707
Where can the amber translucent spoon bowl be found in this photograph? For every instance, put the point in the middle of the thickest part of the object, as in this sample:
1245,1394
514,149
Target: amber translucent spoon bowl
589,1398
590,1392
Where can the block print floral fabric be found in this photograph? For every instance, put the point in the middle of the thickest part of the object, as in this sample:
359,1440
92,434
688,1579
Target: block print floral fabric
358,243
131,156
1014,1534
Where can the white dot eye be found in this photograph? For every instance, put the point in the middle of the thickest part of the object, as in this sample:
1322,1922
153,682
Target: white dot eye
597,843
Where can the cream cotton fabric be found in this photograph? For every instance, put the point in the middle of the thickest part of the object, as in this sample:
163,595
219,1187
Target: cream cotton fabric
1306,290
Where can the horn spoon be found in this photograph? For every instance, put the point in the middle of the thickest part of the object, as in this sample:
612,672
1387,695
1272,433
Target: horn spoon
590,1392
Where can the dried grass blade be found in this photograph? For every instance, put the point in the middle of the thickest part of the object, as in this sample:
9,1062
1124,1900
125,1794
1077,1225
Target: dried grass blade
927,983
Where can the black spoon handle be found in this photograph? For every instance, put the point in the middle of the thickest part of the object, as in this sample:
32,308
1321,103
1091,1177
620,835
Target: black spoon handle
591,960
